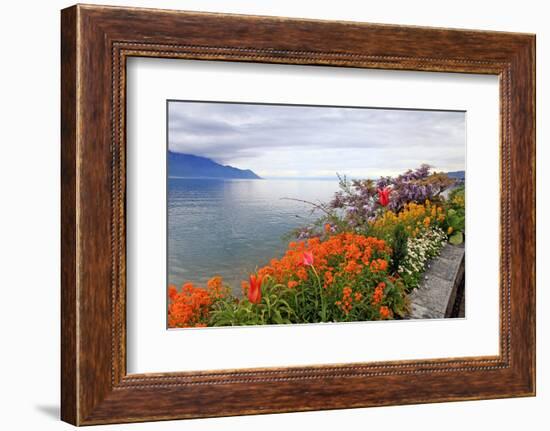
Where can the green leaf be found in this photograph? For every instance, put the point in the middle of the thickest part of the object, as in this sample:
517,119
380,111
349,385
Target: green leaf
277,318
457,238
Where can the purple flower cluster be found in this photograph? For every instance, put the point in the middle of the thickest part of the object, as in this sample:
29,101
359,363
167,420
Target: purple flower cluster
412,186
359,199
305,232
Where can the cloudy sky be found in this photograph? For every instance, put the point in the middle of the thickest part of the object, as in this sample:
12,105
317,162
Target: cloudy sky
301,141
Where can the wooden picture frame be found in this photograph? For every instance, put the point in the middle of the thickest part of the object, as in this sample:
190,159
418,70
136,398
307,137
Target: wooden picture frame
95,43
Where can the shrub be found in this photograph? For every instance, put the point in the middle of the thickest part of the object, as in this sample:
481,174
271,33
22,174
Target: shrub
399,247
455,221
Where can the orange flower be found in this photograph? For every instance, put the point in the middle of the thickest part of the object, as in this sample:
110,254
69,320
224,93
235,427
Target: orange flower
342,255
378,293
214,283
302,274
188,308
215,288
329,278
385,312
427,221
255,290
172,291
292,284
346,303
378,265
244,287
327,227
353,267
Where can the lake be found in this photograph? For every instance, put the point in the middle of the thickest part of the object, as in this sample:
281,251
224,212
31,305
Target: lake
231,227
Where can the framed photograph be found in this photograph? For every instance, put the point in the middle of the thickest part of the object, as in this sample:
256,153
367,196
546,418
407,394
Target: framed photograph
322,214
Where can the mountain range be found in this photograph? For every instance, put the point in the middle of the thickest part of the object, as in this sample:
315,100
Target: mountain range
457,175
191,166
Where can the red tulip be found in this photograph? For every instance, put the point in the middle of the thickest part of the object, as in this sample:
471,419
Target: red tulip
308,258
255,289
384,196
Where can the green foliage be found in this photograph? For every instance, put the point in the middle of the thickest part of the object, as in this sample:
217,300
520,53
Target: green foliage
399,247
311,302
274,308
396,298
459,193
456,238
456,215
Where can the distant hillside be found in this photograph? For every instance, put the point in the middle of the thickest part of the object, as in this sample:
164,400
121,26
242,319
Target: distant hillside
190,166
459,175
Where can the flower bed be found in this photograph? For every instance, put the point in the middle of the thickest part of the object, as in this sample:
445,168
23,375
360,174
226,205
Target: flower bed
357,262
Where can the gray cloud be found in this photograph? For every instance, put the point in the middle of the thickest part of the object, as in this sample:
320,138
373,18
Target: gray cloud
276,140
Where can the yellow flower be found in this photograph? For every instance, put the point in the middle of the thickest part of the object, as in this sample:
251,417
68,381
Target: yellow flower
411,216
450,230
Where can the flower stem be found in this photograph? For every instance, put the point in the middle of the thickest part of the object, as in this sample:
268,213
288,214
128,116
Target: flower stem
321,296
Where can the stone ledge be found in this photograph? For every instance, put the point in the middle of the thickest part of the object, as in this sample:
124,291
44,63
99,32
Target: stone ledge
435,297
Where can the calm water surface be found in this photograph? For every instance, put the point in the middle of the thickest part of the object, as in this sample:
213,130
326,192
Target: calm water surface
231,227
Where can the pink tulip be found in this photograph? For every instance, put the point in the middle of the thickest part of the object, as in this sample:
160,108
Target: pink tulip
308,258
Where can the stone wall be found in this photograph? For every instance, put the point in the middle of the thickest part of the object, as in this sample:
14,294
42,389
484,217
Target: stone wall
436,296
